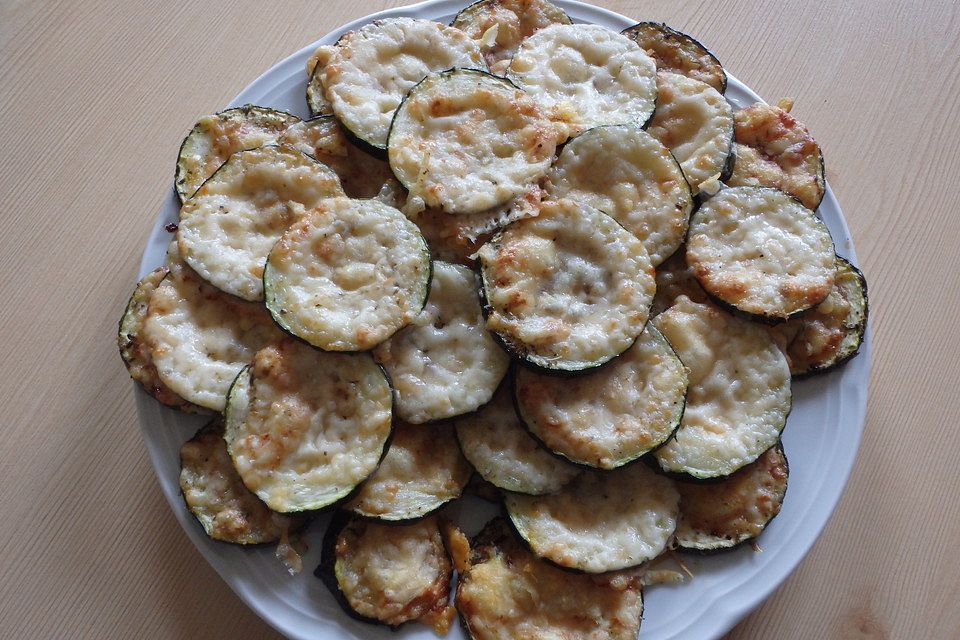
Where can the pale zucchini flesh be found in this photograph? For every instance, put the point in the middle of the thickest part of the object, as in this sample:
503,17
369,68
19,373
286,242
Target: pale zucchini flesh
677,52
499,26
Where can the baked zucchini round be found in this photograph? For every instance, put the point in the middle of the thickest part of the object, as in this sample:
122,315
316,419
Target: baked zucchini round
512,21
229,225
625,172
607,520
739,394
567,290
306,427
215,138
611,416
677,52
316,101
761,252
466,141
695,122
347,275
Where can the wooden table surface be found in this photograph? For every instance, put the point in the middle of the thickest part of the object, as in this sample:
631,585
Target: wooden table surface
94,99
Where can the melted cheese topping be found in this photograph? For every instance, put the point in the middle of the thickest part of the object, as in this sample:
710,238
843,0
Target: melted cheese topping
504,454
216,495
507,593
393,573
724,514
446,362
611,416
370,70
626,173
774,149
569,289
761,251
695,122
466,141
586,75
422,470
677,52
739,393
674,279
230,224
361,174
605,521
348,275
513,21
200,338
215,138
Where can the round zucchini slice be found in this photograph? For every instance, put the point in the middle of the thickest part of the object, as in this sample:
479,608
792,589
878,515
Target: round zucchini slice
347,275
215,138
370,70
505,455
316,101
605,521
695,122
722,515
466,141
217,497
675,279
136,352
506,592
445,363
388,573
774,149
422,471
677,52
761,252
612,416
305,427
229,225
361,174
625,172
567,290
739,393
200,337
511,21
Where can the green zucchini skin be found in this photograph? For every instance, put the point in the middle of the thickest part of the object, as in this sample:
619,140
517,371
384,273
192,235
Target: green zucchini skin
687,42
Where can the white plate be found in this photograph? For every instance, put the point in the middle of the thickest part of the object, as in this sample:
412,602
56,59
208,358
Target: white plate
820,440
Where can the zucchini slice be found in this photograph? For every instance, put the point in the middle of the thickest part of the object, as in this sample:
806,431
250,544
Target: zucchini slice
422,470
505,455
200,337
611,416
388,573
305,427
445,363
135,350
722,515
361,174
625,172
506,592
466,141
695,122
739,394
567,290
761,252
586,75
217,497
677,52
774,149
605,521
316,101
675,279
216,137
228,226
348,275
370,70
511,21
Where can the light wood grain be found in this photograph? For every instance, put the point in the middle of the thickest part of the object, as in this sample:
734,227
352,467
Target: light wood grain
94,98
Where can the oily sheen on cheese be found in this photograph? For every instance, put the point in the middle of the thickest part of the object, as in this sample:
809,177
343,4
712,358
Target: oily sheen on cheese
605,521
313,424
467,141
512,21
739,394
445,363
230,224
625,172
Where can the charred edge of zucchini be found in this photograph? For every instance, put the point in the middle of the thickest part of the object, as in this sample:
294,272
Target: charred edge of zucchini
821,178
483,489
318,107
669,32
473,7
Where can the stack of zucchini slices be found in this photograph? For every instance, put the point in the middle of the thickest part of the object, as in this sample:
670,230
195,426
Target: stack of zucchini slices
413,293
